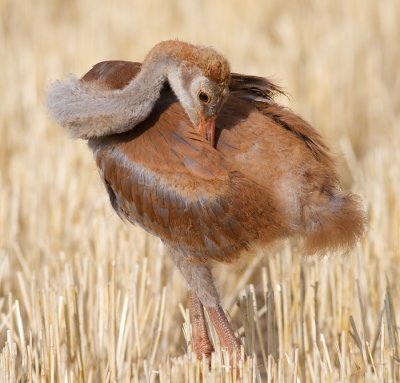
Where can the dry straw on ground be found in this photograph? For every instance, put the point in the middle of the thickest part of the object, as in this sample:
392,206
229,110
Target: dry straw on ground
84,297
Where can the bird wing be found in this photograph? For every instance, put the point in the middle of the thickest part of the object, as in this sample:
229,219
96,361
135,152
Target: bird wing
165,177
260,92
115,74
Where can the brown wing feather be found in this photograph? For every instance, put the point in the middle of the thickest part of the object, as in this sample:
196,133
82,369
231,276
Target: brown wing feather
166,178
302,130
207,203
112,74
253,87
261,92
257,90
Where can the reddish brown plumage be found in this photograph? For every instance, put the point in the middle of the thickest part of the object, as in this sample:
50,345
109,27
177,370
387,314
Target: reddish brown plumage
211,203
114,74
269,176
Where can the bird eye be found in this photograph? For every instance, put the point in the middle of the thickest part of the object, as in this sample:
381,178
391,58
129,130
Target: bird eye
204,97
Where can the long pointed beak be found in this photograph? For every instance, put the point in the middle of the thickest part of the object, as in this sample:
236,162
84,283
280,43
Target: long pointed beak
206,128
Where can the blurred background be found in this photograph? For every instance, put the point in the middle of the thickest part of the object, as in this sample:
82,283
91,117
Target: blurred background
75,279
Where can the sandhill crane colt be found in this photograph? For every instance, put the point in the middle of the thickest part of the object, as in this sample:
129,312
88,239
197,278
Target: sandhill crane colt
205,160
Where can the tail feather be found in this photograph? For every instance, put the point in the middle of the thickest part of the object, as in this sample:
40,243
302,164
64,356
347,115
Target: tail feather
333,221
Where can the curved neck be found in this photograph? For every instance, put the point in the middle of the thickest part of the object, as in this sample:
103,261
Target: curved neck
87,111
134,103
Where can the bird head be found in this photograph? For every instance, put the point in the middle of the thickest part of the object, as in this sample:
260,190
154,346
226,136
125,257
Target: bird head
199,77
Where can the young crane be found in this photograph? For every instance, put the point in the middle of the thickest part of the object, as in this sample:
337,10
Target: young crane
205,160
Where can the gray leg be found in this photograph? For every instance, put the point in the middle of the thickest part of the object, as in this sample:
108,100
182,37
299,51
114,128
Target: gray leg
199,279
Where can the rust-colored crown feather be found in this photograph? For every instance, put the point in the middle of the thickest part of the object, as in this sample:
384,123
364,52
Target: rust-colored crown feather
213,65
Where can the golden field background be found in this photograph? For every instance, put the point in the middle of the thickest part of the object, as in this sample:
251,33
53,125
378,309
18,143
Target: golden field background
85,297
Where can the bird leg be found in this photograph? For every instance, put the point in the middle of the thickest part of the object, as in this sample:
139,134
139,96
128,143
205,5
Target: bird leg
204,293
201,342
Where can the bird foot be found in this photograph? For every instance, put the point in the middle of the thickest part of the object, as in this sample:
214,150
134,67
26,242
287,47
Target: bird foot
201,341
225,333
203,347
